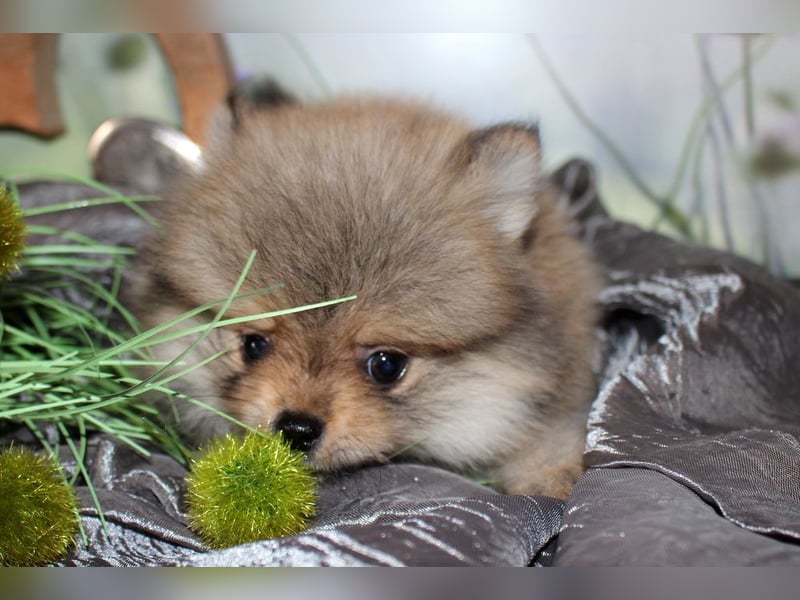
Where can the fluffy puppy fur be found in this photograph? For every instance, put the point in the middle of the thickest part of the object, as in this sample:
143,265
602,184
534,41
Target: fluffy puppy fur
469,342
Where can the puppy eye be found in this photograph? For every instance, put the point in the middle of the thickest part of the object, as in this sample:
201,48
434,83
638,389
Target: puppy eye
385,367
255,346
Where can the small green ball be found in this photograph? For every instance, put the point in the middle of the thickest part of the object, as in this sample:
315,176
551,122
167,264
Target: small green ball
38,509
249,488
12,232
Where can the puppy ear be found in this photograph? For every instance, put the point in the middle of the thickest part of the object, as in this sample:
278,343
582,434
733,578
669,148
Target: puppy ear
253,95
504,160
245,98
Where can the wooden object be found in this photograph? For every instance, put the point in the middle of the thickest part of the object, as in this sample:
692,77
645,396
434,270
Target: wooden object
202,73
28,97
199,63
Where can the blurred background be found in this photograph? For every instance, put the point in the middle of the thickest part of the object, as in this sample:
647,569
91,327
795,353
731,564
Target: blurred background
695,135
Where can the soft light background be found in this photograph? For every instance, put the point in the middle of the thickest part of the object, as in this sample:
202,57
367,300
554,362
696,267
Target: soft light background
707,125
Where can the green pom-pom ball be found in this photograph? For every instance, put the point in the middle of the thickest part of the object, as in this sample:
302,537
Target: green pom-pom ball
38,509
249,488
12,232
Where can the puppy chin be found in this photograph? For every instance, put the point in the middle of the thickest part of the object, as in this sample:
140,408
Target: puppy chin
341,455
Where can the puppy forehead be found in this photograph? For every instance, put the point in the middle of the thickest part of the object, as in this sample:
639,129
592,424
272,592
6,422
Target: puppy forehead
426,285
337,144
351,201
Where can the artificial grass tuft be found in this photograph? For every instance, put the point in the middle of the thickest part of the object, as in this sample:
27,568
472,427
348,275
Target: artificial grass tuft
12,232
247,488
38,509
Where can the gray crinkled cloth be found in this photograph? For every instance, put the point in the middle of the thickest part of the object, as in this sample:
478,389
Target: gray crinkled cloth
390,515
693,437
692,444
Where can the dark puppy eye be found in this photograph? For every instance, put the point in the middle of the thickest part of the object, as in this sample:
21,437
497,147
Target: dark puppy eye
255,346
385,367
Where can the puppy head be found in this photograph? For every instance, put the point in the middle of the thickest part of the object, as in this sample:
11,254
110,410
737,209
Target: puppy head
453,332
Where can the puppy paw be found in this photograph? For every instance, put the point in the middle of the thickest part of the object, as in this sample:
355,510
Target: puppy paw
555,482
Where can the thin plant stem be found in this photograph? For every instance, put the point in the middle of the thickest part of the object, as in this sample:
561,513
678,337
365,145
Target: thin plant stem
697,210
109,191
86,477
715,94
309,63
82,204
719,180
769,254
747,84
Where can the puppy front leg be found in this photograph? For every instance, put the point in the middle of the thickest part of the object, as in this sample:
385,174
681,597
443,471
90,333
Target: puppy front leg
551,464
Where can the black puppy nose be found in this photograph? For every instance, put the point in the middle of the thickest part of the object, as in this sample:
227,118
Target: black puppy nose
301,430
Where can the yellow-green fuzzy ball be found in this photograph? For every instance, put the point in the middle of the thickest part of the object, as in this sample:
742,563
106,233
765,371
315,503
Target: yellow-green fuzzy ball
12,232
38,509
248,488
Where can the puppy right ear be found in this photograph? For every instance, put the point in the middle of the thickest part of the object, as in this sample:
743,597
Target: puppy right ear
245,98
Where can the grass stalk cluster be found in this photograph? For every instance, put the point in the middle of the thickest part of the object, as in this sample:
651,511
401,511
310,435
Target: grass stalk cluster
70,351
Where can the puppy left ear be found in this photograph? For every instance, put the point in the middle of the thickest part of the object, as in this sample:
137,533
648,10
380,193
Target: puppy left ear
504,161
245,99
253,95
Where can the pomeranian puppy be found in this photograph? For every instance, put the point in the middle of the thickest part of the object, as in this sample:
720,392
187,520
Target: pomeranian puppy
469,343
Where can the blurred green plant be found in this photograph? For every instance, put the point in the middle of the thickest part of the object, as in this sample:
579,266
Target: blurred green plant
710,144
783,99
127,52
773,160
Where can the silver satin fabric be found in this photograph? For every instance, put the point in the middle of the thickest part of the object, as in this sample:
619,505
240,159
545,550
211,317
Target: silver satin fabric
391,515
693,437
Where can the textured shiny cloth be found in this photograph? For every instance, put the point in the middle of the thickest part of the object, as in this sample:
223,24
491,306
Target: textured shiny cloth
390,515
692,444
699,401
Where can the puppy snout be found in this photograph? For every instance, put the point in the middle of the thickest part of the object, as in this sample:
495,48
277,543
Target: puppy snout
301,430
